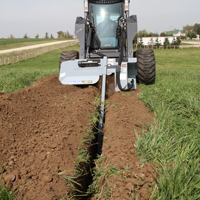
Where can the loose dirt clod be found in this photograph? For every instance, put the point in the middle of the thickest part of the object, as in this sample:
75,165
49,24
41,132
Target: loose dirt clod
40,129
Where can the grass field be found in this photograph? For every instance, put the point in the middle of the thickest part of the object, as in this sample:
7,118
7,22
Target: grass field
21,42
174,138
172,143
20,75
182,43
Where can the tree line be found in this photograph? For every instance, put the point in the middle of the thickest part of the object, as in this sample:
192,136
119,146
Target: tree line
176,42
60,35
192,31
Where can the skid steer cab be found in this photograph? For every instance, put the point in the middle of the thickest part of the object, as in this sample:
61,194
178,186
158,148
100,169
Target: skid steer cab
106,35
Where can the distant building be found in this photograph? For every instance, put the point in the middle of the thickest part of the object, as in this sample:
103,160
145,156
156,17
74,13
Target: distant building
177,33
152,40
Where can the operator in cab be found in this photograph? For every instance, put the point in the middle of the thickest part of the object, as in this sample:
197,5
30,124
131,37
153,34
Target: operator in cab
106,31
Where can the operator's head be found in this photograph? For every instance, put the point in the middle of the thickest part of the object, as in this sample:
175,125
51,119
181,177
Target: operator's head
106,15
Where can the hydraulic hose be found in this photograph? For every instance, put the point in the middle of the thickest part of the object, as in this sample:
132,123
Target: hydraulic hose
119,83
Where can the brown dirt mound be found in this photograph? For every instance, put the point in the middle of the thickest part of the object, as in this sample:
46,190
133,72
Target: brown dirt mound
125,114
42,126
40,130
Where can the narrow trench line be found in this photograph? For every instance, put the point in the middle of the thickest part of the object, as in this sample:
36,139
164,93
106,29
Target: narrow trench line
87,179
83,182
94,150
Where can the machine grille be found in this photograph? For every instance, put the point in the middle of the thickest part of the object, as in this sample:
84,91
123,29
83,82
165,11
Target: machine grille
105,1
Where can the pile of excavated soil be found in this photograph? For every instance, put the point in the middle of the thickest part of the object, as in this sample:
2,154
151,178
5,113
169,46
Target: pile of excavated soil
125,115
40,130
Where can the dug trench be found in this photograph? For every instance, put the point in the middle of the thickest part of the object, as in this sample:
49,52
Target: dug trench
44,133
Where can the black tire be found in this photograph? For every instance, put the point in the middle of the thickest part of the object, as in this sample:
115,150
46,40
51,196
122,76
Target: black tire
68,55
146,66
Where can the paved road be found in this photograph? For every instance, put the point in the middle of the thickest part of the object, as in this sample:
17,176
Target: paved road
33,46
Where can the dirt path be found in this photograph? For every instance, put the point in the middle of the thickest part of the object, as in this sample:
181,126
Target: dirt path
191,42
40,129
33,46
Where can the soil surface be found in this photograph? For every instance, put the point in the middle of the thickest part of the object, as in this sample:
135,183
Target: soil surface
125,116
42,125
40,130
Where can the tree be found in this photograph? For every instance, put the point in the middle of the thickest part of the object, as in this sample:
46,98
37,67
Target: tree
166,43
25,36
11,36
60,33
196,28
46,35
163,34
192,29
192,35
173,41
151,42
66,35
140,44
157,43
176,41
153,34
37,36
143,33
140,34
187,28
52,36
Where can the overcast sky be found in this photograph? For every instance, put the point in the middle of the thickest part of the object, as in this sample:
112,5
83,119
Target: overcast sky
34,17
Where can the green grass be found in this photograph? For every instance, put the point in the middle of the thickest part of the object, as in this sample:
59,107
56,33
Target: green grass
173,140
21,42
7,194
20,75
182,43
5,191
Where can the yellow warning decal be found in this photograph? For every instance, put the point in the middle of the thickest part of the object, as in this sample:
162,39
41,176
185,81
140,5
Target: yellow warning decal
86,82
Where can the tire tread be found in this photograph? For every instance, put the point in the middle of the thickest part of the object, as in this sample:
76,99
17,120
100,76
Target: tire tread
146,66
68,55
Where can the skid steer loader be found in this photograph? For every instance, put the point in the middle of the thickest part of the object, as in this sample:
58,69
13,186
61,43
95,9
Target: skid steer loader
106,35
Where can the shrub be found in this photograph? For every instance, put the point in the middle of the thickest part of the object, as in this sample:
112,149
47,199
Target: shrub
166,43
25,36
37,36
